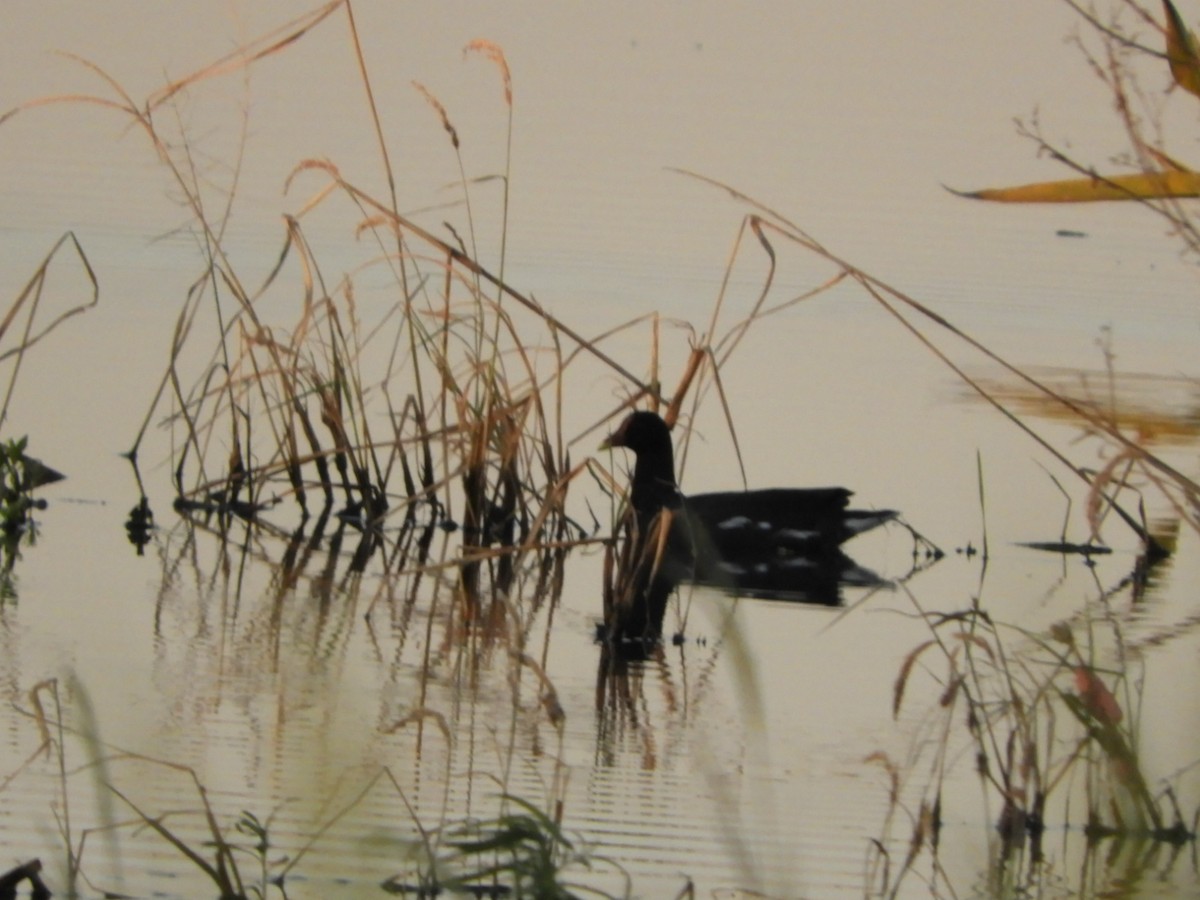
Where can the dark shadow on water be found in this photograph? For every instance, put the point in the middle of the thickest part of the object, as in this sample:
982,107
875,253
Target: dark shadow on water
643,574
632,631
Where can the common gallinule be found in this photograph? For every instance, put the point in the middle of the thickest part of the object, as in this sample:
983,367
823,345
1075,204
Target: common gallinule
781,542
739,524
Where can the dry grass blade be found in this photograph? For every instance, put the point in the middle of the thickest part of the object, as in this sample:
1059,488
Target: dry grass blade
703,362
901,682
730,341
461,259
440,110
29,300
1097,498
495,54
893,773
223,873
32,293
125,105
259,48
973,640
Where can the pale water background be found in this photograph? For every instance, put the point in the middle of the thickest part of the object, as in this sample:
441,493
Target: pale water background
847,118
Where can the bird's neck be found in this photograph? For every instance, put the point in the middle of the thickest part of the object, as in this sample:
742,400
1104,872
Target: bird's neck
654,483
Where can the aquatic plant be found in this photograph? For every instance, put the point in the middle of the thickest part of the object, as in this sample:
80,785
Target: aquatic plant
1116,51
20,476
278,419
1159,180
1049,718
222,868
217,855
522,852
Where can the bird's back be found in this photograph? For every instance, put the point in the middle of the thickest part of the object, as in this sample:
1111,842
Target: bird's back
779,520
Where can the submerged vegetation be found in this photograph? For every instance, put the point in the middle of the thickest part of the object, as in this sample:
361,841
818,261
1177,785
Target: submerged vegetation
425,436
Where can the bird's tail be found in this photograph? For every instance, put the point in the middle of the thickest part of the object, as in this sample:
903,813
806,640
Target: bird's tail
859,520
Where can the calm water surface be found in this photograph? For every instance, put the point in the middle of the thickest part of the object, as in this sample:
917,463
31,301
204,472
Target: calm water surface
340,703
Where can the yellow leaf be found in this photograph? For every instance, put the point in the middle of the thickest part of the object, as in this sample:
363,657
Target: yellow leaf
1182,54
1142,186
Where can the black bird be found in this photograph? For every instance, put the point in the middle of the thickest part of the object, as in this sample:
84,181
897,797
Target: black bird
781,542
813,520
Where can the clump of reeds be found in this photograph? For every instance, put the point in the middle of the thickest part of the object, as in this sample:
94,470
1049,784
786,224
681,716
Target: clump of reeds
1052,717
438,412
522,852
439,415
46,711
1048,718
221,854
